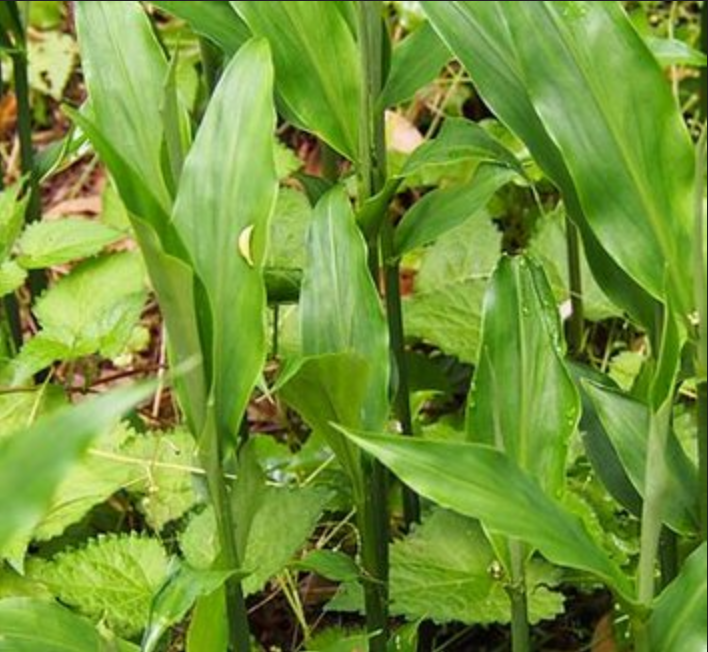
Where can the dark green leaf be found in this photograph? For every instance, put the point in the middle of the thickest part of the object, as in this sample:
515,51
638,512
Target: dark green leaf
317,66
467,478
213,19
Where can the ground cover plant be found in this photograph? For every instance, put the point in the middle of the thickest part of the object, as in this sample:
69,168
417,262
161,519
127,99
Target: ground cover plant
337,326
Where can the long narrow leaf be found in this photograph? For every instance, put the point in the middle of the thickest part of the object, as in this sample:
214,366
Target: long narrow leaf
226,196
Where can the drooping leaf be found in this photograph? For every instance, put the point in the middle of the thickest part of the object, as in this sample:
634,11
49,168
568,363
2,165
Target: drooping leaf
176,597
213,19
466,478
460,140
51,61
225,200
626,422
34,462
523,400
444,209
675,52
316,63
49,243
125,69
28,625
679,620
340,309
12,215
415,62
333,565
113,579
478,34
572,69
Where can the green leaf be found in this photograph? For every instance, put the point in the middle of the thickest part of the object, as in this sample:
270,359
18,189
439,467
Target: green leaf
449,317
679,619
49,243
329,389
89,483
444,571
19,410
444,209
460,140
12,217
478,34
331,564
338,639
125,69
626,422
225,200
575,66
415,62
176,598
28,625
34,462
287,162
523,400
161,466
466,478
12,277
208,625
281,526
674,52
340,309
317,66
52,59
210,18
112,579
96,306
288,231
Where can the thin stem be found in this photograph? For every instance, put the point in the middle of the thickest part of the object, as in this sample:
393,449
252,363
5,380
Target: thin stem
372,508
577,320
704,72
237,614
703,457
401,401
520,634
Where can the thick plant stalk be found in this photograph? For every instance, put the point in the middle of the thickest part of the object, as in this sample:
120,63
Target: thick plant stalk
520,635
576,322
372,510
236,612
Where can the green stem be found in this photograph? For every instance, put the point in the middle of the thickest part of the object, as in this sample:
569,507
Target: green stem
401,401
703,457
704,72
236,612
654,488
373,512
520,635
576,323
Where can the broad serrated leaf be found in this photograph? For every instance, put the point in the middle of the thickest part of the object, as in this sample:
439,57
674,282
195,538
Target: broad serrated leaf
287,162
28,625
49,243
281,526
90,483
35,461
446,571
338,639
288,230
19,410
12,277
162,467
12,216
466,478
95,308
449,317
679,619
225,200
317,66
112,579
